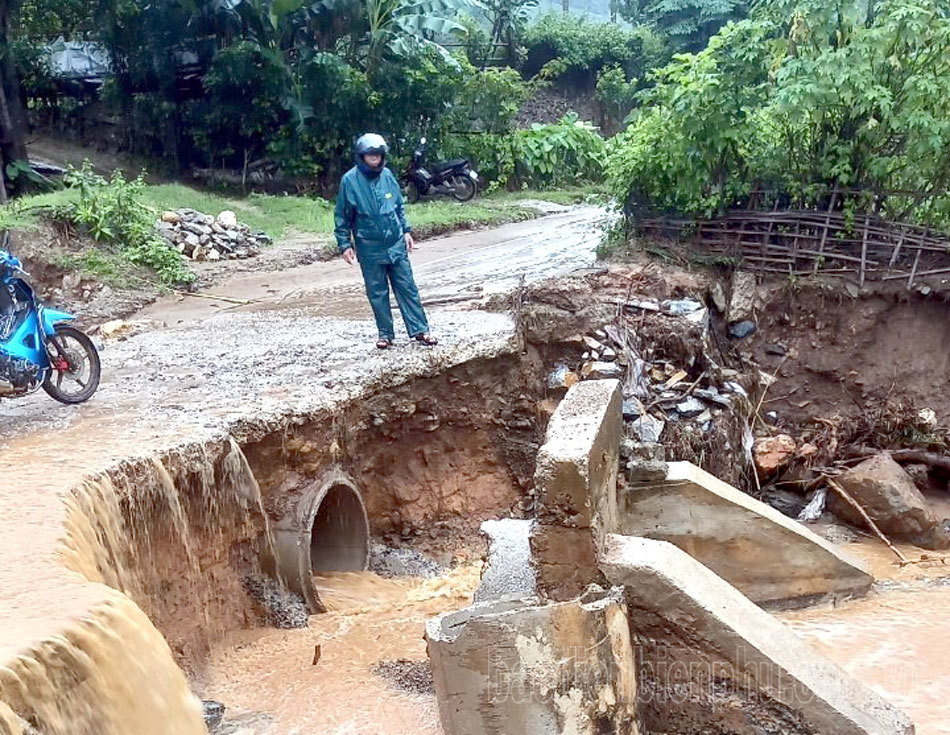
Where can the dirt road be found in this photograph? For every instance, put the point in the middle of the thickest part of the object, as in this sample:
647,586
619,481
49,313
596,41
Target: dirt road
309,331
449,269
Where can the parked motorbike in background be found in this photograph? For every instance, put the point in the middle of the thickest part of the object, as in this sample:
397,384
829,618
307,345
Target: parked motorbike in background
454,178
37,348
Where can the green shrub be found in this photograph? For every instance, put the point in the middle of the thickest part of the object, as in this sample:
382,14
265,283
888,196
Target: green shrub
585,47
488,100
568,151
615,95
114,212
492,154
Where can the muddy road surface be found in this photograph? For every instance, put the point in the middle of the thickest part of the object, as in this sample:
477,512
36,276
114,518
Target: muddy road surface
308,331
451,269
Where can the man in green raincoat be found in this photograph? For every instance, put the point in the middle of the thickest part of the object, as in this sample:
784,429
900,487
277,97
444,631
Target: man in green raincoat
371,227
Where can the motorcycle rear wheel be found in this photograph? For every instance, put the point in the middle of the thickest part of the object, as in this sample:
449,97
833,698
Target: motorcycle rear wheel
463,188
81,363
411,192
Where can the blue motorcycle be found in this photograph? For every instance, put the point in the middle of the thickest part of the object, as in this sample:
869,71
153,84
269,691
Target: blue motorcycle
37,348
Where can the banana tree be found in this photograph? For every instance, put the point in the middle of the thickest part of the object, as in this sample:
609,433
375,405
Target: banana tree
399,25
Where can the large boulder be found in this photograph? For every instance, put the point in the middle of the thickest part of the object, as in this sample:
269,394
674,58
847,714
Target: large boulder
888,495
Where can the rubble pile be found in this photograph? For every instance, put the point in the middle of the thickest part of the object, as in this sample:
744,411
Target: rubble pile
658,393
200,236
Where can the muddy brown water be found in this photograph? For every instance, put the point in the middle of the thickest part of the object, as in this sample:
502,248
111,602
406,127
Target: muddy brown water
371,620
893,641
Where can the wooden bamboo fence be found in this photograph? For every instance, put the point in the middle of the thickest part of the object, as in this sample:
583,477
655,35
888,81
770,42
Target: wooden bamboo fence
798,242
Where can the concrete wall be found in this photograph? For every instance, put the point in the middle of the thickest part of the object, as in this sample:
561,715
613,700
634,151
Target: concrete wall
768,556
576,482
522,667
711,661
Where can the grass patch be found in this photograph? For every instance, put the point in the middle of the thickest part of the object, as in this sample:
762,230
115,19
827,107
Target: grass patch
590,194
274,214
102,265
441,215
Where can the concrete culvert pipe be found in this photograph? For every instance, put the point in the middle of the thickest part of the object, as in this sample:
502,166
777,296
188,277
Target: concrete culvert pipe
328,531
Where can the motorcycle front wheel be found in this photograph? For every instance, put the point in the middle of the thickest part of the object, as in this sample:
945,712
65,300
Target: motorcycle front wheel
75,362
463,188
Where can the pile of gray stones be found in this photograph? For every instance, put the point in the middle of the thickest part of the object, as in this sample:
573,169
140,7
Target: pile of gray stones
200,236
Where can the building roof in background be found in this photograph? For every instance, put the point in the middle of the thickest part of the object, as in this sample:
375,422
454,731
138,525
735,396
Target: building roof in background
79,60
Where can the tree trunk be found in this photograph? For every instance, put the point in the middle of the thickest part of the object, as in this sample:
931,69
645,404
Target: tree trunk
614,7
13,123
566,6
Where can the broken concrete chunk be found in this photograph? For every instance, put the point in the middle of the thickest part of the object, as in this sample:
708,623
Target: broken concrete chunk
680,307
888,495
601,371
769,557
576,481
742,297
739,662
520,667
718,297
645,305
646,470
592,344
633,407
608,354
630,449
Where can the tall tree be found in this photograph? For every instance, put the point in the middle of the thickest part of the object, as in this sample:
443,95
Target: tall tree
13,122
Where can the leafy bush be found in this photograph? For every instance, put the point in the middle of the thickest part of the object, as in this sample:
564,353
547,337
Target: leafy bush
688,24
586,47
615,95
488,100
568,151
36,78
858,99
493,156
114,212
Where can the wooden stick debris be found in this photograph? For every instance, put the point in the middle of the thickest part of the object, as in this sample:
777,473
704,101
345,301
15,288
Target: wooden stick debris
213,297
867,519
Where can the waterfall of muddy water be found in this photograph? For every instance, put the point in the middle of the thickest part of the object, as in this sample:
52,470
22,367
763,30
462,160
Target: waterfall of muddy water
894,640
176,535
109,674
375,620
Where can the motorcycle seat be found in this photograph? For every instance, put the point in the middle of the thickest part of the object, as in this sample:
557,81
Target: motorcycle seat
454,163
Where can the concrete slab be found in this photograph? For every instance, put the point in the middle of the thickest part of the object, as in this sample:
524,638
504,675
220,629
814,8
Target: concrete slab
576,482
771,558
509,572
519,667
710,660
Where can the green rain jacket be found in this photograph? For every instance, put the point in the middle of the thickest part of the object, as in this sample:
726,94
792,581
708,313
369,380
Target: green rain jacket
372,210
